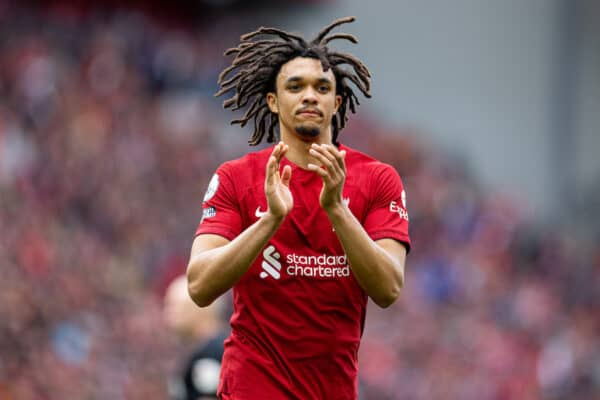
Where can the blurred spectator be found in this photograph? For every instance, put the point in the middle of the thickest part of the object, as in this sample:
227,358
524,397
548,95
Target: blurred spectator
107,131
203,330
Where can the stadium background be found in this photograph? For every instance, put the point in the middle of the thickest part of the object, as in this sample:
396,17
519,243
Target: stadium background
109,134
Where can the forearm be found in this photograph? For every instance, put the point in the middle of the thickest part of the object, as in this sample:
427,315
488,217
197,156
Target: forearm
377,272
211,272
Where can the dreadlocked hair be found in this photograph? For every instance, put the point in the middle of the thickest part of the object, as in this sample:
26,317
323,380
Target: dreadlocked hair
257,63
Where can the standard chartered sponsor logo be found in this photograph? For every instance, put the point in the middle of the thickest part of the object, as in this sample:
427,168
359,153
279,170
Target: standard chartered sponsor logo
322,266
318,266
271,265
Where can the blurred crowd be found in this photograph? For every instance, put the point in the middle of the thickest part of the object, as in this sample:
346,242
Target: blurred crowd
108,137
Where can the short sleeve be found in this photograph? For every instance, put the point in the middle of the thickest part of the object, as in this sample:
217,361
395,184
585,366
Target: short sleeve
387,216
220,207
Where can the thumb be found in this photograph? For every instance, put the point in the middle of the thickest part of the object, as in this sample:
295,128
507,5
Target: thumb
286,175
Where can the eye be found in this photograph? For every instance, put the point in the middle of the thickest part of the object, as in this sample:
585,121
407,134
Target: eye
293,87
323,88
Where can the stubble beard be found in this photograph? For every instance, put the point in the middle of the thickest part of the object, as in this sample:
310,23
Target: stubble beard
308,131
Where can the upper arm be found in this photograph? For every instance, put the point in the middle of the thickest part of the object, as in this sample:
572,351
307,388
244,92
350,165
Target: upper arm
197,283
221,213
395,249
205,242
387,217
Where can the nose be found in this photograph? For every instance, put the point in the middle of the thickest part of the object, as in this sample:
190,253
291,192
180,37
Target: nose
309,96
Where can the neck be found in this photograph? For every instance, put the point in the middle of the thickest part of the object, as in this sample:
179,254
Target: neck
299,146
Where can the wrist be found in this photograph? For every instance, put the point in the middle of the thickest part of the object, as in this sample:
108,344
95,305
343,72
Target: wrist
272,219
337,211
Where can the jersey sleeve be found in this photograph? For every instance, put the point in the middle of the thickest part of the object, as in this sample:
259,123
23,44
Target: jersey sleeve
387,216
220,207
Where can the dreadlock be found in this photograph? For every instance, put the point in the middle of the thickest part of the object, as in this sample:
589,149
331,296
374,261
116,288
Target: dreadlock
257,63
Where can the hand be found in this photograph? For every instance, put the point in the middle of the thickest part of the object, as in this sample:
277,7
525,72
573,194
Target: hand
277,185
333,172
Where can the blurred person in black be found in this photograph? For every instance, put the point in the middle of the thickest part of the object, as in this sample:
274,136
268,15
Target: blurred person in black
197,377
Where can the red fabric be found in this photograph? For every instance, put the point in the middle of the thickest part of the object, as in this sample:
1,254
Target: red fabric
298,311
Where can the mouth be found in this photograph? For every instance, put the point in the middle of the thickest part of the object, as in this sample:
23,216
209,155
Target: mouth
310,112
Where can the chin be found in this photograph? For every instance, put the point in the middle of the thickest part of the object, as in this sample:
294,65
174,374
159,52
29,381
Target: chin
308,131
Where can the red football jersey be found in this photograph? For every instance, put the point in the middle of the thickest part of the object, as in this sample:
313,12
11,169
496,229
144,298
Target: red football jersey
298,311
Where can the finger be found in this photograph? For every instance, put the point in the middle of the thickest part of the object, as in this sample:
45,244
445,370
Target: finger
286,175
284,150
318,169
280,150
341,160
325,158
327,150
277,151
333,154
272,173
338,157
273,162
332,149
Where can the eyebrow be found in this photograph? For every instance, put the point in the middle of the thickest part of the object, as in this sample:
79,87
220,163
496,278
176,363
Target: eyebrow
299,79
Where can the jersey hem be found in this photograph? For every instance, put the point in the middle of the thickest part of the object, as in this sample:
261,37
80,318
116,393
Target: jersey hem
227,234
404,239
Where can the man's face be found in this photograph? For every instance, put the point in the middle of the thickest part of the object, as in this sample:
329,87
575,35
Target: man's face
305,98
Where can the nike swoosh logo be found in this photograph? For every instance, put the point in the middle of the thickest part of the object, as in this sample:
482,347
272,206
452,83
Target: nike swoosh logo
259,213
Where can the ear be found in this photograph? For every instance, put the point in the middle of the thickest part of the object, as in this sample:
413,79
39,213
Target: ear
272,102
338,102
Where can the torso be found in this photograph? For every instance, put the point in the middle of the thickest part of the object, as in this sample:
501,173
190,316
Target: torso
298,311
